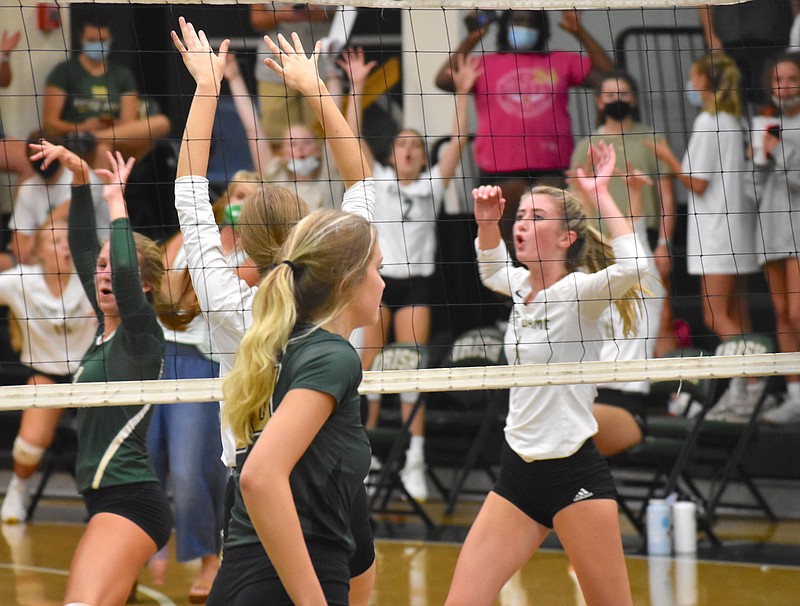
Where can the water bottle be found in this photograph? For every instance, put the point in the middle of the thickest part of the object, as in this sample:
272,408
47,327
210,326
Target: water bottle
684,527
658,542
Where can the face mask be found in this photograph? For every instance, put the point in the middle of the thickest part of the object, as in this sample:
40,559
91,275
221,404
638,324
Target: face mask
618,110
46,173
303,166
789,103
96,50
693,96
522,38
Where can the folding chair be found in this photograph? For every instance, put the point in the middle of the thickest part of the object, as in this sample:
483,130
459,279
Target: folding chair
464,429
389,441
679,450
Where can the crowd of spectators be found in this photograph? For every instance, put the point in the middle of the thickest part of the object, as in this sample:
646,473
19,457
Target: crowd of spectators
742,212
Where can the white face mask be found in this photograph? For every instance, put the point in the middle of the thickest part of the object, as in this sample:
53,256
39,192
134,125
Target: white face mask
788,103
303,166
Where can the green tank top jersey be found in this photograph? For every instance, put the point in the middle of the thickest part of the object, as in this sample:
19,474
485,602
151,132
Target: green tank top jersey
326,477
112,440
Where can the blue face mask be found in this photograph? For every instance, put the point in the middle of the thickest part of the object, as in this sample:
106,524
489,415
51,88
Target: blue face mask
693,96
96,50
521,38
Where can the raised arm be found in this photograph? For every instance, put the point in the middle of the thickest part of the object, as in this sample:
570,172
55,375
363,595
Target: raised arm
299,72
601,61
206,68
357,69
8,42
260,149
595,188
467,71
83,242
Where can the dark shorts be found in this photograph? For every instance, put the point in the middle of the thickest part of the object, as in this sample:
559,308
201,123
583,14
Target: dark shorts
247,577
143,503
634,403
57,379
543,488
361,527
415,291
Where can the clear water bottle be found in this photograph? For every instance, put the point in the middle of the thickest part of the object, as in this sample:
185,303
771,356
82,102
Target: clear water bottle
658,526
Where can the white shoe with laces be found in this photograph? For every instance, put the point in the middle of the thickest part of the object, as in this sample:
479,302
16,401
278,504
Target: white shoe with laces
15,505
414,479
788,412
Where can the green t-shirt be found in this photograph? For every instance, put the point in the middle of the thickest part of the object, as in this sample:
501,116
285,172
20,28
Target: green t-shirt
326,477
112,440
91,96
631,148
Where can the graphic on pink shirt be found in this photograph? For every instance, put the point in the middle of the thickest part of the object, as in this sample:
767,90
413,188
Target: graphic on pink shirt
527,91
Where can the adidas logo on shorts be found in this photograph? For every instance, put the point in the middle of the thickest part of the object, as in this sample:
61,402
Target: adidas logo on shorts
582,494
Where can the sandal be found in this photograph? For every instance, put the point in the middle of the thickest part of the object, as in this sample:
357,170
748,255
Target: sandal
198,593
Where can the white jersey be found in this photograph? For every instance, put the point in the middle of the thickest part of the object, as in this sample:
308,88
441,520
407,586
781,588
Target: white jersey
778,183
405,217
640,345
721,222
36,199
56,331
227,301
561,324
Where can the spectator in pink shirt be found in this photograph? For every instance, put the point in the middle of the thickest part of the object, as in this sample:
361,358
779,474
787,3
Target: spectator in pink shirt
523,132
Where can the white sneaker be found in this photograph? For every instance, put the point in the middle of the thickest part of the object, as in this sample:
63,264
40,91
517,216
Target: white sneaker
414,479
787,412
733,408
15,505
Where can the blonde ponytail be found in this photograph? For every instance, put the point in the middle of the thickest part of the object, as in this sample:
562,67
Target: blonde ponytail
325,256
591,252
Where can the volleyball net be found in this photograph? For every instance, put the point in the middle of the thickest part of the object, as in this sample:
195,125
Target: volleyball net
410,41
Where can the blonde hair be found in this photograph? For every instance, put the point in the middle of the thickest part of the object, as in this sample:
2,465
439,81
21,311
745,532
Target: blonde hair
589,250
151,270
247,178
724,78
268,215
324,258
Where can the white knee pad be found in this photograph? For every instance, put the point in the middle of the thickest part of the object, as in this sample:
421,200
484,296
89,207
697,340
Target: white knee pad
25,453
373,397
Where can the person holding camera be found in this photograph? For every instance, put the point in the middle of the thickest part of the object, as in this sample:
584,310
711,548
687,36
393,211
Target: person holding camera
778,190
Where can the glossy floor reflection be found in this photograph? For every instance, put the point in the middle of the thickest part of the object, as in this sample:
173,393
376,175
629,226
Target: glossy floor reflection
753,567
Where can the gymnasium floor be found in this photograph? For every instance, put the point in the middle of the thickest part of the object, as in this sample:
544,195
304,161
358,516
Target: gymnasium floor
759,563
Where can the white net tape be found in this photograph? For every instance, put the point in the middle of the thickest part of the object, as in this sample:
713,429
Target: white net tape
429,380
419,4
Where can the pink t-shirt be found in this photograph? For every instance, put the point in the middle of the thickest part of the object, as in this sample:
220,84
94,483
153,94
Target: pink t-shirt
521,101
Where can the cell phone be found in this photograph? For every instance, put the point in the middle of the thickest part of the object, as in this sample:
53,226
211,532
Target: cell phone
775,131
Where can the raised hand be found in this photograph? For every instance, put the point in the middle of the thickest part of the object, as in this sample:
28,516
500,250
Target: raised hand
205,67
570,21
48,153
117,177
466,71
8,42
489,203
604,161
296,69
355,65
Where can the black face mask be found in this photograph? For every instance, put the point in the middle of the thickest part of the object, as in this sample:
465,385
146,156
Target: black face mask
618,110
46,173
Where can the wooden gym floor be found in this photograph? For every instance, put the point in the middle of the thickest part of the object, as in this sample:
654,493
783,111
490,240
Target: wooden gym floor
759,563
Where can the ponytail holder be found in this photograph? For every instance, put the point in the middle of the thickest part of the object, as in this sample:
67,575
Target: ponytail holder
296,270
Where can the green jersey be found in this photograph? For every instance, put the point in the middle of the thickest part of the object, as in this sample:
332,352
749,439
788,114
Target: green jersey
91,96
112,440
326,477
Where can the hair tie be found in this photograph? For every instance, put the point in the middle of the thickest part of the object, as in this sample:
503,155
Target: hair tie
296,269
